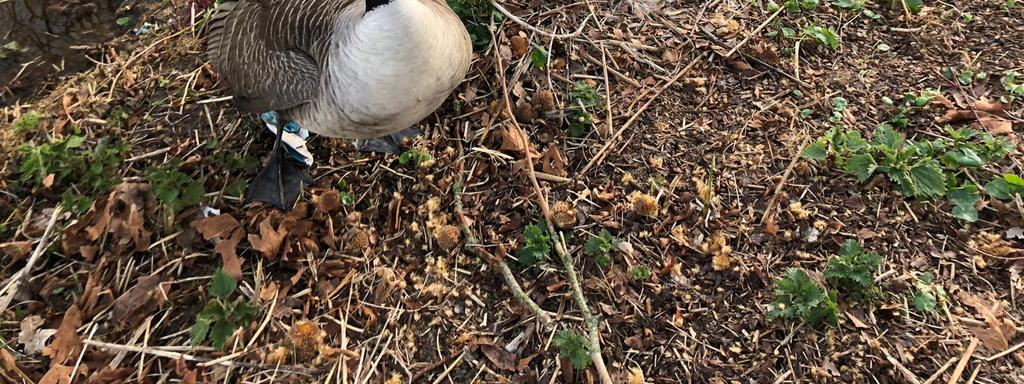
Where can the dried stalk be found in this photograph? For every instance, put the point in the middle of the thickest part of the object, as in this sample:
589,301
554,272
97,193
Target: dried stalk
11,288
593,326
473,245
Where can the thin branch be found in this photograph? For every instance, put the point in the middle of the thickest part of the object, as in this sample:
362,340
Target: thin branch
612,141
593,326
473,245
11,288
536,30
177,356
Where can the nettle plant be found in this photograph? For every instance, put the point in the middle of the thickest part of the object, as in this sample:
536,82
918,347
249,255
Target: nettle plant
600,248
854,271
797,296
221,316
922,169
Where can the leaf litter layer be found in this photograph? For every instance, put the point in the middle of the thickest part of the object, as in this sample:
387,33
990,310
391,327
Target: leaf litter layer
696,208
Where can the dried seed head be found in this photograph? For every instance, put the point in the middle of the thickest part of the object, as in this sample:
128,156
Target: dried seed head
447,236
525,112
798,210
564,216
544,101
306,339
360,240
644,204
278,356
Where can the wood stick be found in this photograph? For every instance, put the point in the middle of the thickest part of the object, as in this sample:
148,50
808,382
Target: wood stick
11,288
176,356
941,370
907,374
1006,352
755,32
963,362
611,141
567,263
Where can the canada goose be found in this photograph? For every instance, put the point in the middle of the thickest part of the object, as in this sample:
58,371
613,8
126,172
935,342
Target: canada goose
365,70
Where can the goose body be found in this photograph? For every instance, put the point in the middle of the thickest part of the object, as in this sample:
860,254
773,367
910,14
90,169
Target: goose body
353,69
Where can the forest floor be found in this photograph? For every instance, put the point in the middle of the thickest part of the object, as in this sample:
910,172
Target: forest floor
753,234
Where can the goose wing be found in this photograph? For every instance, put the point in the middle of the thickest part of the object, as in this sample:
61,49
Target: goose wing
271,53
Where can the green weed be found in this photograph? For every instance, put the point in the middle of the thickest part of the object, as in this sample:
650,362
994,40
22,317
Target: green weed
537,247
80,171
640,273
600,246
920,169
27,123
414,157
927,294
582,99
825,36
174,188
573,347
854,270
797,296
221,317
477,15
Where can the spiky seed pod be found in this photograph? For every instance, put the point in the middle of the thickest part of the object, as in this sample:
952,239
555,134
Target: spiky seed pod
644,204
447,236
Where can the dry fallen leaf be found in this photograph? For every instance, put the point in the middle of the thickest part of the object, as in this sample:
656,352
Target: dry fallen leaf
636,376
269,241
215,226
16,250
513,139
520,46
58,374
140,299
33,338
551,162
1000,332
499,356
68,343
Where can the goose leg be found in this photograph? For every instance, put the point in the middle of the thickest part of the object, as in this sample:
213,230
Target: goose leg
280,182
391,144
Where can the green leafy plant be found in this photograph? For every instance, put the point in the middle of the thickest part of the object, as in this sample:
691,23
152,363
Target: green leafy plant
573,347
174,188
640,273
927,294
600,246
849,4
74,167
964,77
29,122
539,57
796,5
221,316
537,247
346,197
797,296
919,169
582,99
1015,90
477,15
914,6
1005,187
414,157
854,270
824,36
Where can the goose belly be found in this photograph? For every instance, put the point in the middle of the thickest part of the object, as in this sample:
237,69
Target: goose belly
398,65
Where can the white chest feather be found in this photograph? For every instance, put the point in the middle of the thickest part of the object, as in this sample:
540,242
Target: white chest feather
390,70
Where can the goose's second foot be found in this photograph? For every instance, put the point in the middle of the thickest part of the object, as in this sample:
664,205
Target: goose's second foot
280,182
391,144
